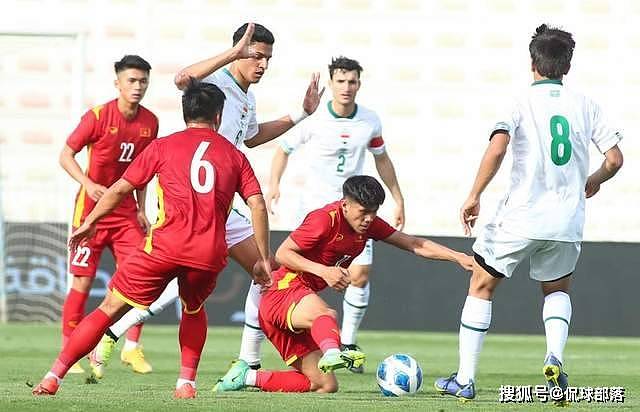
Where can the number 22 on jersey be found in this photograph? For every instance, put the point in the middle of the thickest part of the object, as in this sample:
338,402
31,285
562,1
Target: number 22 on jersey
197,163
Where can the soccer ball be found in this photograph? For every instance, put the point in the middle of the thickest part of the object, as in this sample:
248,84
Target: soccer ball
399,375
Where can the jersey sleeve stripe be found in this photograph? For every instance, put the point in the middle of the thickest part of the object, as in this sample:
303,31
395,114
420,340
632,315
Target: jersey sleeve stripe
148,246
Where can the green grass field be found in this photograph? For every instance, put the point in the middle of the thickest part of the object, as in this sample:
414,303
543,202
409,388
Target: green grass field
27,350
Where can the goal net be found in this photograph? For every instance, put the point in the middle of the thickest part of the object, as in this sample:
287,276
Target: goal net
42,80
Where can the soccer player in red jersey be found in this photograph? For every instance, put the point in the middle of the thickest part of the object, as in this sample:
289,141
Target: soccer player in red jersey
114,134
198,173
317,254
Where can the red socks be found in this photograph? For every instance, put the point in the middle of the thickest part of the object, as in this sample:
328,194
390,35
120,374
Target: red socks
192,336
85,337
134,332
72,312
282,381
325,333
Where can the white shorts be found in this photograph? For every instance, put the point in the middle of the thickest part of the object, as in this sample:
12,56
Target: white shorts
500,253
366,257
238,228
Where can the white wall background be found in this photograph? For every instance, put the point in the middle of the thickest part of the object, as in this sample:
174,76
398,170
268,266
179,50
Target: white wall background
435,71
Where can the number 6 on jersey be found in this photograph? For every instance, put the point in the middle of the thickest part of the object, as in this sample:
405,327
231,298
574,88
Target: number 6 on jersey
198,163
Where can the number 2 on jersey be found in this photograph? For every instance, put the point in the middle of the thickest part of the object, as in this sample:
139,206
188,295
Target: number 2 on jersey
127,151
341,161
198,163
560,132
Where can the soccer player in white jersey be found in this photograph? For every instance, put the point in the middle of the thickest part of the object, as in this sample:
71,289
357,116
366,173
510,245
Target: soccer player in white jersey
337,138
542,215
249,59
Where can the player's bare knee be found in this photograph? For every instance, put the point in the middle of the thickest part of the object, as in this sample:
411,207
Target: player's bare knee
325,385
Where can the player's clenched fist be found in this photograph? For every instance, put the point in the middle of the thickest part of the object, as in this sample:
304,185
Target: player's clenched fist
336,277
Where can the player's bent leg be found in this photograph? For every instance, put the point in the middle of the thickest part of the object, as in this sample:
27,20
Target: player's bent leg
192,337
320,381
84,338
314,314
474,324
354,307
245,253
73,310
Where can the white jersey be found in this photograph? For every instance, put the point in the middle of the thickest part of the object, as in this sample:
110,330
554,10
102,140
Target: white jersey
335,148
239,114
550,129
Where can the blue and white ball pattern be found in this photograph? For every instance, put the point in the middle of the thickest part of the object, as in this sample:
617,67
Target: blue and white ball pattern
399,375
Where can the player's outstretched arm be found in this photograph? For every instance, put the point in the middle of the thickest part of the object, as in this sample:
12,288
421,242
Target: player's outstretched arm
268,131
70,165
288,254
201,69
613,160
429,249
107,203
387,173
489,166
260,223
278,166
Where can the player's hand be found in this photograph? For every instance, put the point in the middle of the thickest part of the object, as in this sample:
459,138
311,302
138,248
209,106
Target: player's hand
243,49
273,196
94,190
465,261
143,221
312,97
261,273
398,217
591,188
81,235
469,214
336,277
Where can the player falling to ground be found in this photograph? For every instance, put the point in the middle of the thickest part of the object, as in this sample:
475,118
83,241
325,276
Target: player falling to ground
198,173
337,137
249,58
317,254
114,134
542,216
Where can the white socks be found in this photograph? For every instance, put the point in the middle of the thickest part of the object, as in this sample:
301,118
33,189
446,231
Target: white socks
474,323
181,382
135,316
251,377
354,306
252,335
556,314
54,376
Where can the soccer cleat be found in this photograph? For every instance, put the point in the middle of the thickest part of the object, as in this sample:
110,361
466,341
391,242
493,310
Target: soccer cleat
234,379
338,360
101,355
135,358
185,391
556,377
76,369
48,386
354,369
450,386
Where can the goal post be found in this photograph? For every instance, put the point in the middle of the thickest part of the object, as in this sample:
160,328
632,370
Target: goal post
43,75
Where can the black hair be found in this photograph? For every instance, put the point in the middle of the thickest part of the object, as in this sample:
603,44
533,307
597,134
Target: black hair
260,34
132,61
365,190
551,51
344,63
201,101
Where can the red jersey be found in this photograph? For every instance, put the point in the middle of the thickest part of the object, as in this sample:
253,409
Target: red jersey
112,143
326,237
199,172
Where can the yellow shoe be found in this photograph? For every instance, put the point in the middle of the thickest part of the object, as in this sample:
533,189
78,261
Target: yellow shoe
76,369
135,358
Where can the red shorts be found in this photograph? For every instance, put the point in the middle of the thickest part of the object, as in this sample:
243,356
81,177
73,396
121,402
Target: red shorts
121,240
274,314
141,278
